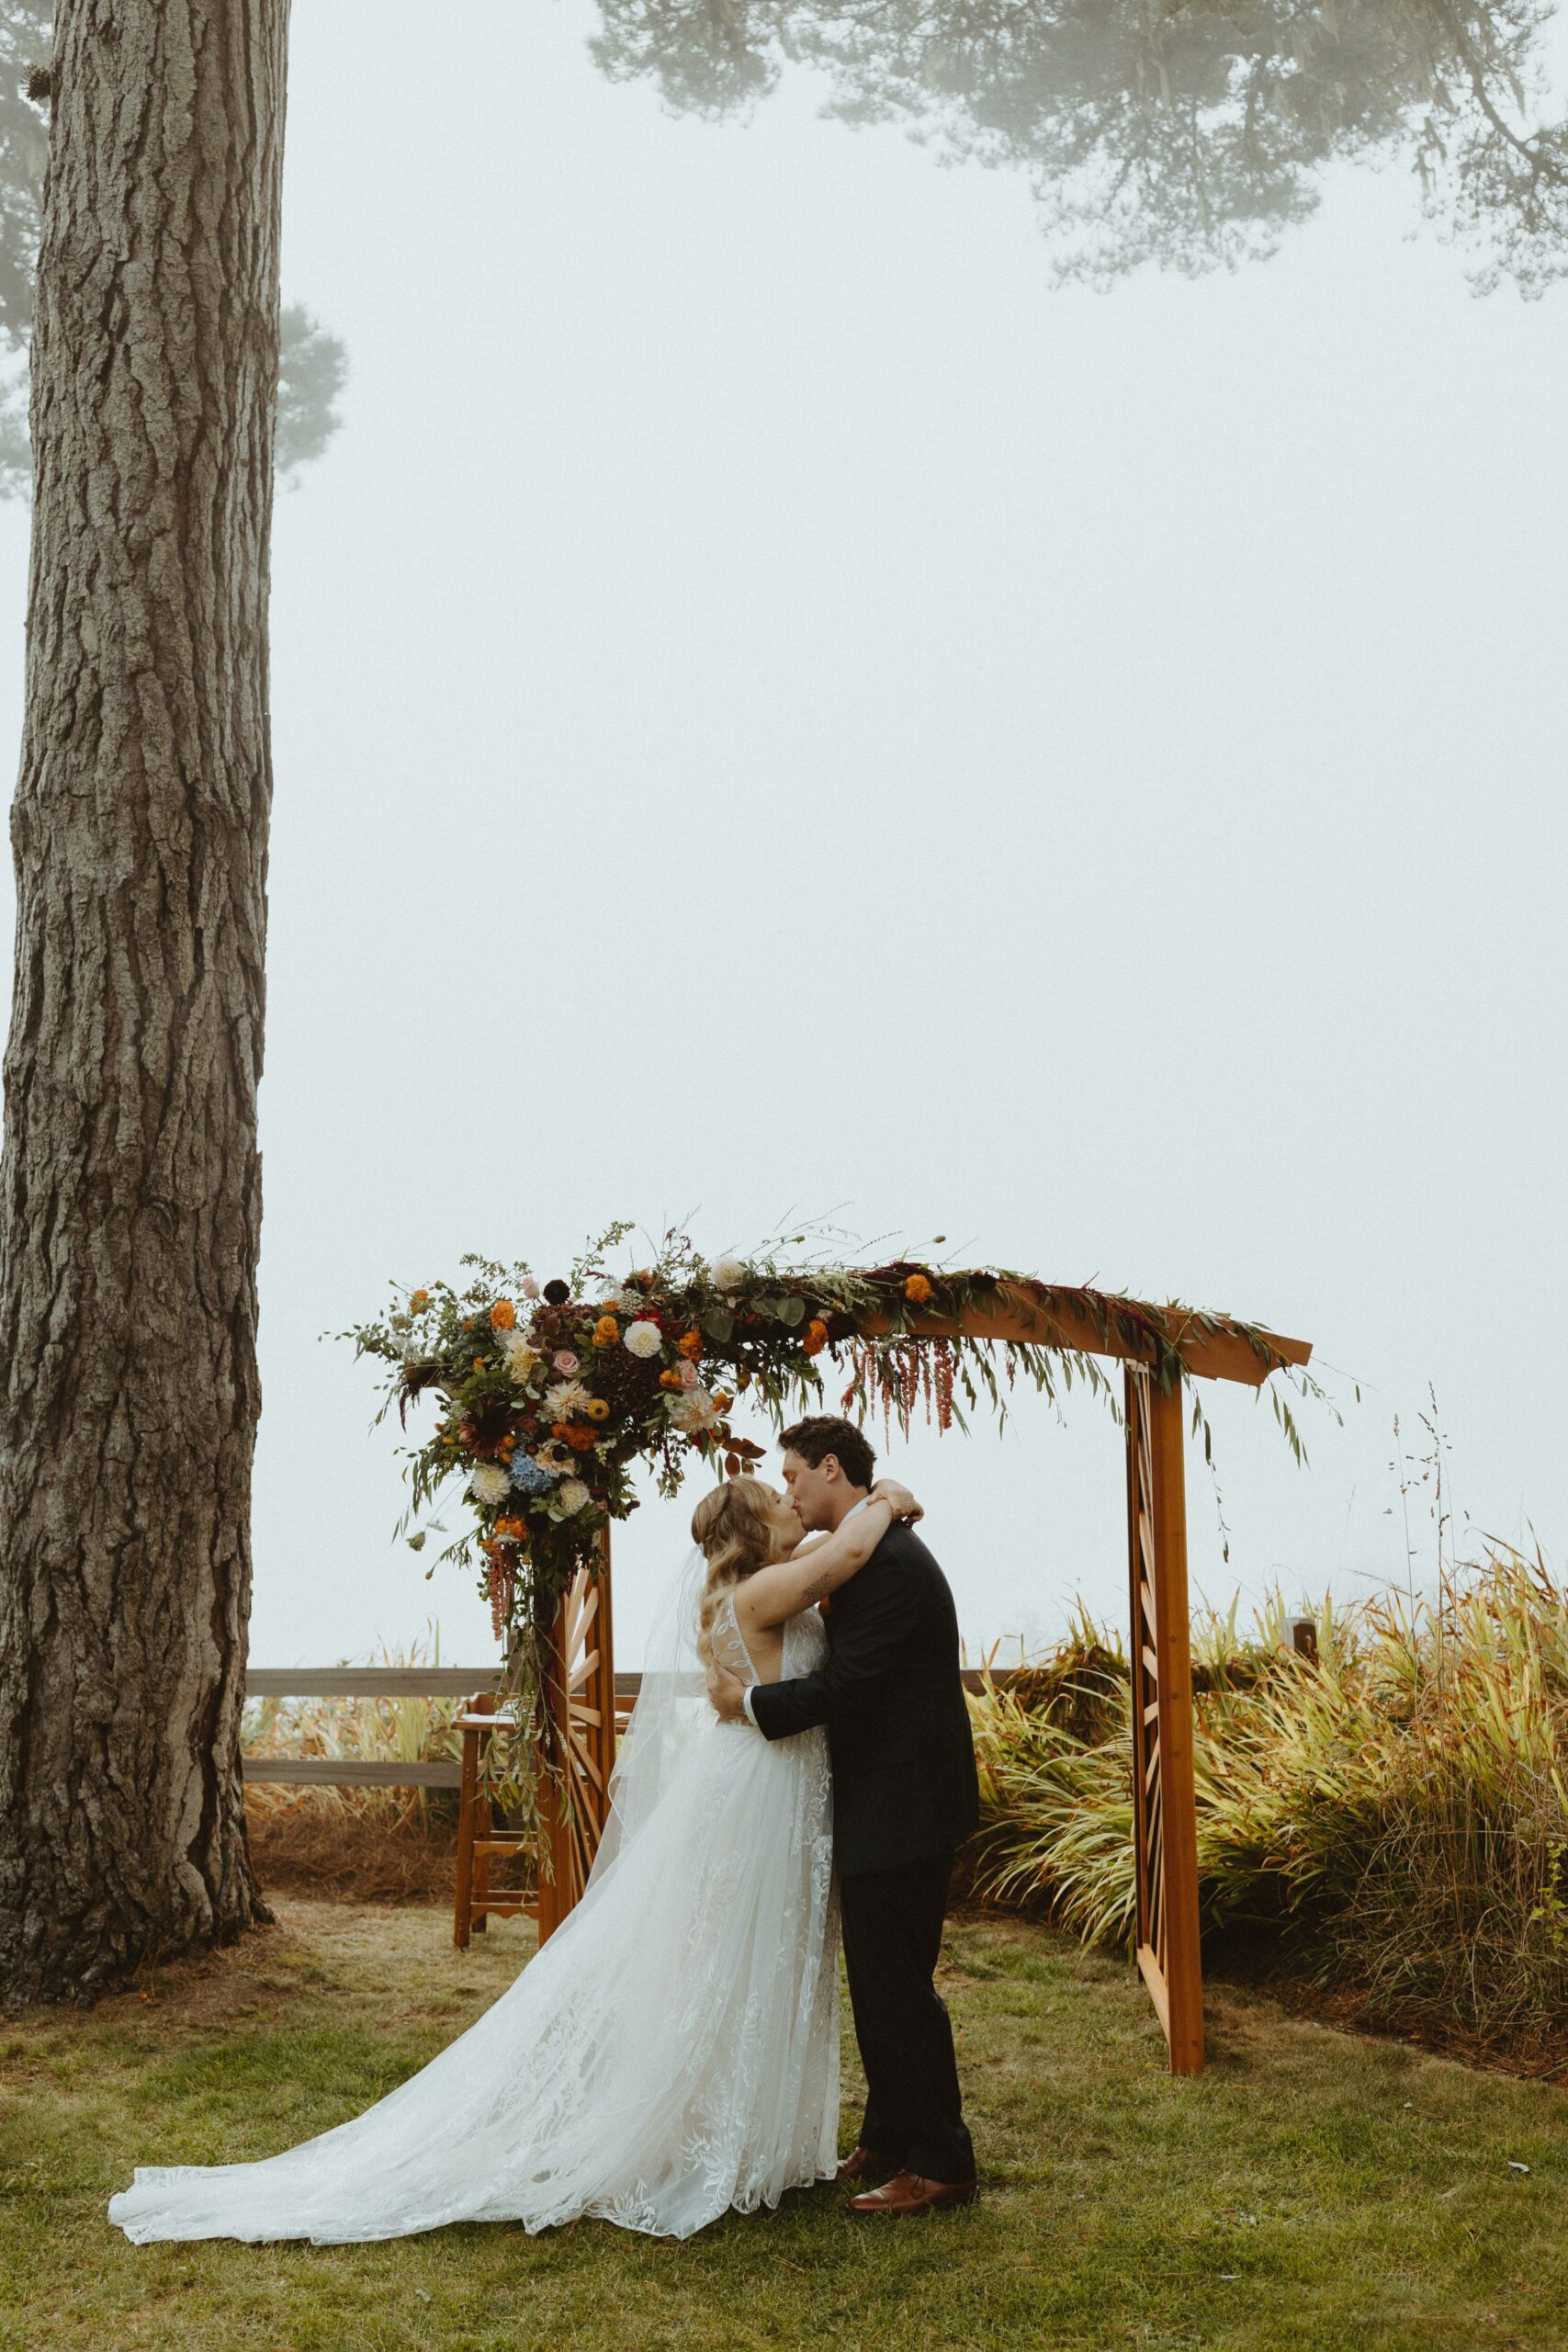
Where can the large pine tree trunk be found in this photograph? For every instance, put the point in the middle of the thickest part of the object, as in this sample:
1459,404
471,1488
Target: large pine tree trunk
130,1190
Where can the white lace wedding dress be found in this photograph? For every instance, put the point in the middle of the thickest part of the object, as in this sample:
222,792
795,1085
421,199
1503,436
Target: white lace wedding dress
673,2051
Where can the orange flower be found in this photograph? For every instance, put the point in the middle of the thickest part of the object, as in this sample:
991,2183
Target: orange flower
722,1400
606,1331
816,1339
671,1380
690,1343
597,1409
479,1364
579,1436
917,1290
419,1302
503,1316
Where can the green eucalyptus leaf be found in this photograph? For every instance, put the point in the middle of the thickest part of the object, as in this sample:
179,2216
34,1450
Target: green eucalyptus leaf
719,1325
792,1311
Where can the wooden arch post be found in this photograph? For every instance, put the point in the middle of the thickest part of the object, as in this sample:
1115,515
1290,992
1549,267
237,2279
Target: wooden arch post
1155,1344
1165,1818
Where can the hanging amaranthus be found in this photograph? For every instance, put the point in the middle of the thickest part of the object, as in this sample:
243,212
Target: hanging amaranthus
944,1353
502,1596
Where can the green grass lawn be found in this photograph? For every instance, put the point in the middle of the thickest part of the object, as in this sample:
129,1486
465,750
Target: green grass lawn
1311,2190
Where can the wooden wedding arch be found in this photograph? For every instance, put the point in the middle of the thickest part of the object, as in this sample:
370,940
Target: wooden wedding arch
1154,1345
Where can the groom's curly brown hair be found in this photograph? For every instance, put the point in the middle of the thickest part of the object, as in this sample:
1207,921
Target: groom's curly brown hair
821,1434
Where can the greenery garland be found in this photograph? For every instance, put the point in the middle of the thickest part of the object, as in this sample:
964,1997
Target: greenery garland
549,1394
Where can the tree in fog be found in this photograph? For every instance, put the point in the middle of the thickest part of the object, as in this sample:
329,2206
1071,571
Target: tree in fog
130,1183
1188,134
314,366
312,369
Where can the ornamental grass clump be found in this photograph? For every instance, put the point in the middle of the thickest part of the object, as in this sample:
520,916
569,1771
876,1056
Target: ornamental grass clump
1396,1808
1054,1752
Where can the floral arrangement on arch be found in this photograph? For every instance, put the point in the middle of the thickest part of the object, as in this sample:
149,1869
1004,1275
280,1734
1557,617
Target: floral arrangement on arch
547,1394
550,1392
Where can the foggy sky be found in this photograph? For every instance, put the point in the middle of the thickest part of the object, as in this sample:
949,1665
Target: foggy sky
779,710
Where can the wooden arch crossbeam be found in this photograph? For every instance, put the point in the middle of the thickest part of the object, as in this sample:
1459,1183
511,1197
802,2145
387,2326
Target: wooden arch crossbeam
1156,1346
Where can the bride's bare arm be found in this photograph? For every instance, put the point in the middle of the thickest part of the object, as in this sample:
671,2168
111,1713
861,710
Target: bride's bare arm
815,1570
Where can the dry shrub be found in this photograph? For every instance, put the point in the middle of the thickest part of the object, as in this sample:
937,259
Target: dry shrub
352,1845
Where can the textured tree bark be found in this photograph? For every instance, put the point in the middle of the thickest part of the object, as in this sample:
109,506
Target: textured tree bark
130,1183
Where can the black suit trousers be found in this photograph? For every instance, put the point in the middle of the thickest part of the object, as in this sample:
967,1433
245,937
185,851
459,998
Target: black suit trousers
914,2112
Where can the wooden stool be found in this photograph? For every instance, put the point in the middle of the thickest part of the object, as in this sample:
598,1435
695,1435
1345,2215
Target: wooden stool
581,1678
479,1841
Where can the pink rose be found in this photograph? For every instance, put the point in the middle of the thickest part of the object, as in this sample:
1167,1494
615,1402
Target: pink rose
530,1287
564,1360
689,1373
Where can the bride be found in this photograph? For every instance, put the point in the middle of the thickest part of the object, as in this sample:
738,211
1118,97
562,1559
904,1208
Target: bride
673,2050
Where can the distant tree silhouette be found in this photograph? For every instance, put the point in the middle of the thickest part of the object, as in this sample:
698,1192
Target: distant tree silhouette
1186,134
312,369
313,364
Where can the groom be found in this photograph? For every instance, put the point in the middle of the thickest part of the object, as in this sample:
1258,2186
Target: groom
904,1798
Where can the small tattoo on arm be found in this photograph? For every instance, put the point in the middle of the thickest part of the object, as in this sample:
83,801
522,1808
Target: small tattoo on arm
819,1587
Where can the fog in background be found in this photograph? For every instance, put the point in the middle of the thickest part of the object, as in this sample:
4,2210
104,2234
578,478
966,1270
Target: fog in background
782,708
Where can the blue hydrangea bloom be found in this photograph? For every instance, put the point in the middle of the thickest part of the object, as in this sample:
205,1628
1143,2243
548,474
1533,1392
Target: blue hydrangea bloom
527,1476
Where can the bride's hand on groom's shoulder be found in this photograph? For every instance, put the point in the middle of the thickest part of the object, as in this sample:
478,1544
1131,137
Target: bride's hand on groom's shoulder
902,1501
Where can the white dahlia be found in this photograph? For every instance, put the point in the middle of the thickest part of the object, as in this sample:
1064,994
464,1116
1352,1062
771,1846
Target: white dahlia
729,1272
643,1339
573,1494
520,1356
490,1483
568,1400
692,1410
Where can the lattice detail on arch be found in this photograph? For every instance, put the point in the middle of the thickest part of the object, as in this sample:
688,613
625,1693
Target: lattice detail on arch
582,1674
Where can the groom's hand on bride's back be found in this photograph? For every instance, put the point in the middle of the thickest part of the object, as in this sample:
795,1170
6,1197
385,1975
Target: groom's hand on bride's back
727,1696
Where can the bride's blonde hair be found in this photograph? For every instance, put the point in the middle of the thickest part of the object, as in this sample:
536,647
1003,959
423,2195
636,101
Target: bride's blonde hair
732,1528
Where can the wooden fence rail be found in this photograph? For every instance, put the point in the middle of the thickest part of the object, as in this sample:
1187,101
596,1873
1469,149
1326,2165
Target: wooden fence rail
361,1682
369,1681
412,1682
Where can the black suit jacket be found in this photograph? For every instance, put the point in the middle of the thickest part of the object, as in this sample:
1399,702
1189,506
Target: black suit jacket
892,1697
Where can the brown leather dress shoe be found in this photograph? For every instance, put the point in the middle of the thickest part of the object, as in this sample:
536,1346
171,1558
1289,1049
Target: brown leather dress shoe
864,2164
908,2193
